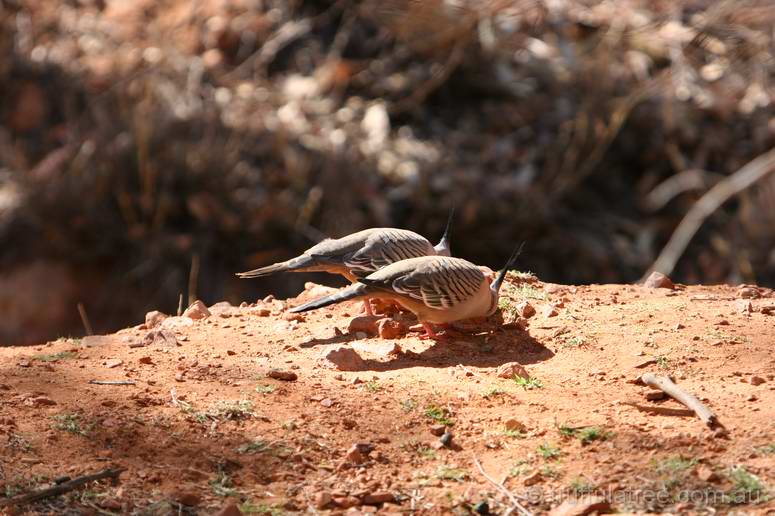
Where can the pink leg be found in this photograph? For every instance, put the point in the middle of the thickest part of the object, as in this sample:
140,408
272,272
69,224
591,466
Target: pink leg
367,306
429,333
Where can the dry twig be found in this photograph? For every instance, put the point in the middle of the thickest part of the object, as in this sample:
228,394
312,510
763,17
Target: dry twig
62,488
752,172
667,386
193,279
112,382
85,319
514,502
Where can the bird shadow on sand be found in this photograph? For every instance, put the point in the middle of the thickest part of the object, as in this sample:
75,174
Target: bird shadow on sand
489,347
492,349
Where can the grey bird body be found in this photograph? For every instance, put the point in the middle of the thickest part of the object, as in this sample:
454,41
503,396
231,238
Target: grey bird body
359,254
437,289
355,255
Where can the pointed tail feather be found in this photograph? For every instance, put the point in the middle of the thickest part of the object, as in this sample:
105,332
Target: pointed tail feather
354,291
294,264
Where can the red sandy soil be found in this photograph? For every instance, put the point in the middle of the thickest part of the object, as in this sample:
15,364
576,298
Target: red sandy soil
204,426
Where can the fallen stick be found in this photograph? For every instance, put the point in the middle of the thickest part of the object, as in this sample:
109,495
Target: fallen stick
62,488
85,319
112,382
514,502
712,200
667,386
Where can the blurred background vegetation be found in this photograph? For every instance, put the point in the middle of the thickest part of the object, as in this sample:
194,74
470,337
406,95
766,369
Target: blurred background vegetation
140,140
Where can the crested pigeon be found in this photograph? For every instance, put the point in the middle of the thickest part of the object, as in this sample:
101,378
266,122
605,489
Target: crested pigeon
437,289
360,254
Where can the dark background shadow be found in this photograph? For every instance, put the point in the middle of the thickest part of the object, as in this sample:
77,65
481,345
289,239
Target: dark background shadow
128,177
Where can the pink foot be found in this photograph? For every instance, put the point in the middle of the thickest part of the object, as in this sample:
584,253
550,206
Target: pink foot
430,333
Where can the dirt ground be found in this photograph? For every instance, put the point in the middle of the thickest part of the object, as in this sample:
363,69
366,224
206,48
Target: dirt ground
203,426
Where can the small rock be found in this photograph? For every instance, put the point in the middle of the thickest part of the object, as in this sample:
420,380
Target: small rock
261,312
383,349
554,288
748,292
511,369
38,401
23,363
345,359
145,360
367,324
165,337
286,376
514,425
346,502
548,311
176,323
188,498
757,380
482,508
767,310
385,307
532,479
438,430
526,310
658,280
679,326
113,362
327,402
706,473
323,500
354,455
378,497
391,329
581,506
315,291
744,306
446,439
288,316
229,510
90,341
197,310
180,377
154,319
